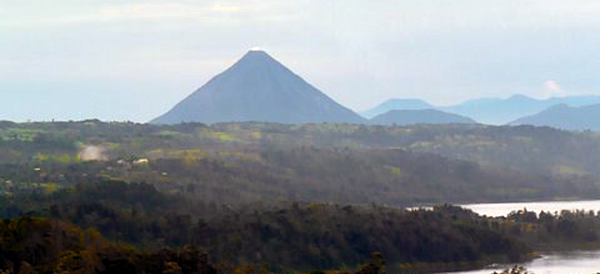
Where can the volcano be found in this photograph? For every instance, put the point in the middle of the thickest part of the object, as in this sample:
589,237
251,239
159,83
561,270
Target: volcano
258,88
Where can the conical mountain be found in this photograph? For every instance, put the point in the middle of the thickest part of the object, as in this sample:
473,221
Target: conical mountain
258,88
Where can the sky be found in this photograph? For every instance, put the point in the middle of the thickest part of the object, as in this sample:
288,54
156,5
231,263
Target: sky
134,60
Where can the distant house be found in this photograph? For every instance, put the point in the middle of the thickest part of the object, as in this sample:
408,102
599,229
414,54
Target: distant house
141,162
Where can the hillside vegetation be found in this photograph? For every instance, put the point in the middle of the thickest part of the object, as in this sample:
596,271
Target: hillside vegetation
297,237
327,162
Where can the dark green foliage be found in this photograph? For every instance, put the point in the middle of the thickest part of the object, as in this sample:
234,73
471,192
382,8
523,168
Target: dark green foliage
49,246
322,236
308,174
305,237
299,236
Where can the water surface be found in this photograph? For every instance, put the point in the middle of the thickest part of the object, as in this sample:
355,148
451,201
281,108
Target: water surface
571,262
503,209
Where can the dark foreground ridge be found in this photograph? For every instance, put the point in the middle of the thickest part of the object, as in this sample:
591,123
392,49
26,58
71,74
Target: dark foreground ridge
37,245
302,237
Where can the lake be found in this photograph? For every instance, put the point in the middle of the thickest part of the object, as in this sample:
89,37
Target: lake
503,209
572,262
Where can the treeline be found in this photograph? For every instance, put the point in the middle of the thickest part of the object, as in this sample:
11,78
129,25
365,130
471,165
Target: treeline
298,237
556,230
307,174
37,245
306,236
525,148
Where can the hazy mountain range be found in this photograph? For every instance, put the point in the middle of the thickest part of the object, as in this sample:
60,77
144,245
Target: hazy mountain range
259,88
498,111
495,111
419,116
565,117
396,104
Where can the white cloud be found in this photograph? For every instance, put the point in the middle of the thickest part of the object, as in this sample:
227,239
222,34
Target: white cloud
53,16
226,9
552,88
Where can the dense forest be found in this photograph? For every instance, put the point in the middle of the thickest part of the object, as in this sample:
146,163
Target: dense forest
38,245
293,237
261,197
520,147
254,162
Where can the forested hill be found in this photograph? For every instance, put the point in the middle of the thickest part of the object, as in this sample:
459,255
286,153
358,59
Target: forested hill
392,177
528,148
39,245
320,162
289,237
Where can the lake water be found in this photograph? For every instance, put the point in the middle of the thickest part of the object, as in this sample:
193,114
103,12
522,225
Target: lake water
572,262
502,209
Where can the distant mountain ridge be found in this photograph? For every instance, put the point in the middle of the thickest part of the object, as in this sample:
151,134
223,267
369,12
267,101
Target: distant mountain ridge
496,111
396,104
258,88
493,111
565,117
425,116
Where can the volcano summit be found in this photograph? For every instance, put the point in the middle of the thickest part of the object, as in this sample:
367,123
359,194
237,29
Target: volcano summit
258,88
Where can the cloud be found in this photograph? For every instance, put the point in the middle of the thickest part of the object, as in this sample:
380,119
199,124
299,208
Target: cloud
226,9
127,10
119,13
552,86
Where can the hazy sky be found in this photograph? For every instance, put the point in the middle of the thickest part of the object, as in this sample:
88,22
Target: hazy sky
133,60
